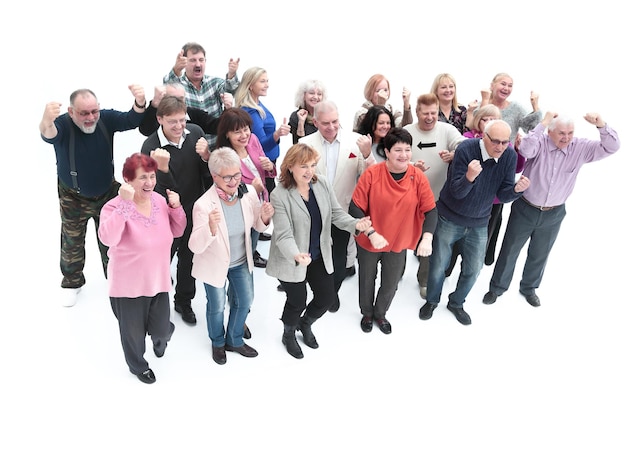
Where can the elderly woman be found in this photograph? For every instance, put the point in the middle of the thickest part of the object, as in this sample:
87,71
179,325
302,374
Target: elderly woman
308,95
139,227
397,197
222,246
300,251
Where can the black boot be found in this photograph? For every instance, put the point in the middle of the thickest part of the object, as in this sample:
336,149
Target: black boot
290,342
307,334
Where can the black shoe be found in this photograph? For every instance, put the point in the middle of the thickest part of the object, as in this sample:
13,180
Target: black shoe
265,237
244,350
307,334
247,334
186,313
259,261
532,299
335,307
291,343
490,297
280,287
462,316
350,271
219,355
426,311
146,376
366,323
384,325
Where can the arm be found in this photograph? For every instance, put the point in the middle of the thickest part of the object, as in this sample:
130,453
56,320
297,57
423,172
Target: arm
47,127
202,236
113,217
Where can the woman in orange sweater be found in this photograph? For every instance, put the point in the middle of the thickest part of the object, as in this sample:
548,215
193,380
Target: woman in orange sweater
397,197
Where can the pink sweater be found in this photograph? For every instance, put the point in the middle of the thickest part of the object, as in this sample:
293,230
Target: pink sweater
139,247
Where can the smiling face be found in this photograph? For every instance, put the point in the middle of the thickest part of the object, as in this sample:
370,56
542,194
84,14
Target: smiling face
196,63
173,125
561,135
446,91
259,88
502,88
143,183
85,112
381,127
328,124
311,98
228,179
381,93
303,173
398,157
427,116
239,138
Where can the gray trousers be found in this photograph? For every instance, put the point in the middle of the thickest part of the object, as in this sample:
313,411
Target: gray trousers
391,269
138,317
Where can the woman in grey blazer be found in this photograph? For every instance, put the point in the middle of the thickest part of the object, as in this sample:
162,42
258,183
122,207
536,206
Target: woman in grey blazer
300,250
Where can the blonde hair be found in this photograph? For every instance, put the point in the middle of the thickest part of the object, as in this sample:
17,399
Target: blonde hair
438,79
488,110
243,97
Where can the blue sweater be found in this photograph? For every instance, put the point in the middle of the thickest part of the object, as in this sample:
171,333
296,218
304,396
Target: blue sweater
264,129
468,204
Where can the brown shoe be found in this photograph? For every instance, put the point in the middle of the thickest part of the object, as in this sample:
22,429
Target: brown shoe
219,355
244,350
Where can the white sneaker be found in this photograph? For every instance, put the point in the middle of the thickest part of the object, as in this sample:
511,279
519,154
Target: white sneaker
423,292
68,296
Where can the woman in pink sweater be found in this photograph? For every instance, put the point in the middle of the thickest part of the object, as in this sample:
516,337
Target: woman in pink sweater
139,226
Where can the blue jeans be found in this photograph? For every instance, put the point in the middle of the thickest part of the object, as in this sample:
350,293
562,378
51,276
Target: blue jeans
472,245
241,294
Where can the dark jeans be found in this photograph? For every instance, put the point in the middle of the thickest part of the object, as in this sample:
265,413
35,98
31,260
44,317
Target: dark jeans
76,211
320,282
391,270
185,284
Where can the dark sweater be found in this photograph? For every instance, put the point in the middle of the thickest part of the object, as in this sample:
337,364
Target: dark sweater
468,204
187,170
199,117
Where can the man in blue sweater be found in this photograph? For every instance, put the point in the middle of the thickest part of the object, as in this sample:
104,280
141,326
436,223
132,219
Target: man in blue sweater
480,170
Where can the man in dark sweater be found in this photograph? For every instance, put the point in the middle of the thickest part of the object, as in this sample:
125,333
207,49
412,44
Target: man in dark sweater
180,169
480,170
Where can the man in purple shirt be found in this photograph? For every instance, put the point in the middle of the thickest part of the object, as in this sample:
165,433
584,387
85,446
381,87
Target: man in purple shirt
554,159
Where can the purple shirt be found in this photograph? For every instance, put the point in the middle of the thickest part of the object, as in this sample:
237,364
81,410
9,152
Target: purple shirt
552,171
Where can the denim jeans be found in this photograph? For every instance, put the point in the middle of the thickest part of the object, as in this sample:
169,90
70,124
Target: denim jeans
241,292
472,245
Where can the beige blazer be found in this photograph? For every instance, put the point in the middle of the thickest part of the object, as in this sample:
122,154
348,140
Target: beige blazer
212,252
350,163
292,227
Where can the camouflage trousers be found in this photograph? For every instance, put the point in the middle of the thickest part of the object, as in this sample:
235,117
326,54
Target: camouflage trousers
76,210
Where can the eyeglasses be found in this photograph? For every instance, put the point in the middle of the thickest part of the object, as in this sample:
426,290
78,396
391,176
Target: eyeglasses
497,142
229,178
86,113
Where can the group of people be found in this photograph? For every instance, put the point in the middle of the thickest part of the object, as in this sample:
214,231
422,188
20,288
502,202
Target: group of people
210,179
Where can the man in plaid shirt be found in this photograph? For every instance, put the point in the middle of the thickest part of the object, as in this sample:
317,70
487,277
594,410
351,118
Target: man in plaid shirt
212,94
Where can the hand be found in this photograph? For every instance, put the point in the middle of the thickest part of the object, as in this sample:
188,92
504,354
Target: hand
363,224
162,158
202,149
485,96
266,163
159,92
126,192
425,247
518,140
364,143
173,198
378,241
421,165
522,184
406,98
227,100
51,112
382,95
303,258
267,211
446,156
302,115
215,217
595,119
473,105
534,101
283,130
258,185
548,117
138,93
233,66
180,64
473,170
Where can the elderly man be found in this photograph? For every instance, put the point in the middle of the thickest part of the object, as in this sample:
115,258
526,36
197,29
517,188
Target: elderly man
433,148
553,162
211,94
181,169
83,143
481,170
344,155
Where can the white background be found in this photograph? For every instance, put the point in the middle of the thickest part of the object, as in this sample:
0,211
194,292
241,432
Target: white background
519,383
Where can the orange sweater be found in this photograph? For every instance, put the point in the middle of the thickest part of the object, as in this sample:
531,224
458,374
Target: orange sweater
396,208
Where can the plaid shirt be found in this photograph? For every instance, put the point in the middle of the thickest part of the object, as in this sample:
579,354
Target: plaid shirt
207,97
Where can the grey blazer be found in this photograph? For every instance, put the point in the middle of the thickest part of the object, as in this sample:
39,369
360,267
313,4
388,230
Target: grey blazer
292,226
